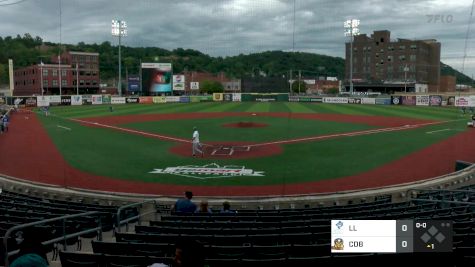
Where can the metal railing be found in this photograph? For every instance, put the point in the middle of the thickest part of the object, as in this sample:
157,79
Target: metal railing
444,201
417,191
64,237
137,217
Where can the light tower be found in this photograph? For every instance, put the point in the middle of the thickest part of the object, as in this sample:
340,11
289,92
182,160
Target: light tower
119,29
351,29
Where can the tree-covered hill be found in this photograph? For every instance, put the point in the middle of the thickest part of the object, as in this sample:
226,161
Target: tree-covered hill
26,50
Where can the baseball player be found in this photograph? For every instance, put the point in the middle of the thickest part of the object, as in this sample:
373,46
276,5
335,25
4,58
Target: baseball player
196,142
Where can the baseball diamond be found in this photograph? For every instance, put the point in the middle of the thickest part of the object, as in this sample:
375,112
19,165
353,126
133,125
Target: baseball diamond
279,148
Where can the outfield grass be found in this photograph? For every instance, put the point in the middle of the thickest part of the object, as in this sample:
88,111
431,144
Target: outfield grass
131,157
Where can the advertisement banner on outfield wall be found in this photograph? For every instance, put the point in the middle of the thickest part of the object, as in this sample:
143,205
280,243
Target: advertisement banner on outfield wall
30,102
294,98
368,101
184,99
106,99
236,97
436,100
451,101
65,100
383,101
353,100
217,97
132,100
97,99
117,100
172,99
87,99
308,99
55,100
159,100
462,101
228,97
146,100
42,101
201,98
409,100
422,100
76,100
335,100
396,100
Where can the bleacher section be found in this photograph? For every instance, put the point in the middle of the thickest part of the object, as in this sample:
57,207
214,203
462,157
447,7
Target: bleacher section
298,237
17,209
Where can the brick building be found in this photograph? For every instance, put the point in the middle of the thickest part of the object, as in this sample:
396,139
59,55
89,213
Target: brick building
28,80
385,65
447,83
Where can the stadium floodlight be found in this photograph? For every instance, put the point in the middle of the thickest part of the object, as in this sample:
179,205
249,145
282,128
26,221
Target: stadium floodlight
351,30
119,29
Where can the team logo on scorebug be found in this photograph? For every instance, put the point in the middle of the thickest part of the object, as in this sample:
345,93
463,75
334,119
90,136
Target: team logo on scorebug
208,171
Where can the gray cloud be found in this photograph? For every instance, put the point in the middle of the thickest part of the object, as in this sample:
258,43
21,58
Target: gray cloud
231,27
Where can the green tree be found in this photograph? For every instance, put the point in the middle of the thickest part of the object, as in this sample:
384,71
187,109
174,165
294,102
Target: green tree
210,87
295,87
333,91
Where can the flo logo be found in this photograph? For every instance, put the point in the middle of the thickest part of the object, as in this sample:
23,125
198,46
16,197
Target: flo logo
209,171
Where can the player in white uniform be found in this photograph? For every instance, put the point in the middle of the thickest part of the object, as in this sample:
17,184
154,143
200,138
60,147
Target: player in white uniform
196,142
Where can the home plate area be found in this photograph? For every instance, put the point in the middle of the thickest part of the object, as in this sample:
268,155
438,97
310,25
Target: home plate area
228,150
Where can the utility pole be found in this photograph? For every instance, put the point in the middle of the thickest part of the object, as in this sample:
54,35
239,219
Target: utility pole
290,81
300,75
77,79
406,69
59,56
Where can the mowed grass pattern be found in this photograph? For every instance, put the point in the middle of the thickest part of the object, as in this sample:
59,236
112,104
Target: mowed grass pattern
126,156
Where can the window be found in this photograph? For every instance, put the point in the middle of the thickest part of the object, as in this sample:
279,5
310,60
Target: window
45,72
45,83
412,57
402,57
81,82
63,73
402,47
390,58
55,83
55,73
413,46
64,82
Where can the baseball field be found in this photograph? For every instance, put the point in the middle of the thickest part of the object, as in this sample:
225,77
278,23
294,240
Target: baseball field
250,149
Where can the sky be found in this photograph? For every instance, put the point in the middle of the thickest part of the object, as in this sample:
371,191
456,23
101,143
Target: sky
232,27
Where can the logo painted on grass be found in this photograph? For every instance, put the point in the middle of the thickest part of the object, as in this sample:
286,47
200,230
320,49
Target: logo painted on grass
208,171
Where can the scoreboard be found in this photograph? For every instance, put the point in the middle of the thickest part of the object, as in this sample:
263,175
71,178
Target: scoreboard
391,236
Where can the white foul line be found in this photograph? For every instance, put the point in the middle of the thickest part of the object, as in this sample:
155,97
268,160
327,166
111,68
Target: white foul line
133,131
443,130
62,127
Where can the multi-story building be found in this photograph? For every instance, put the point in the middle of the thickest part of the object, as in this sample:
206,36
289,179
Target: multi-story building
79,72
385,65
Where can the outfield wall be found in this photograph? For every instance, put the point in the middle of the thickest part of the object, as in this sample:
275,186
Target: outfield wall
76,100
